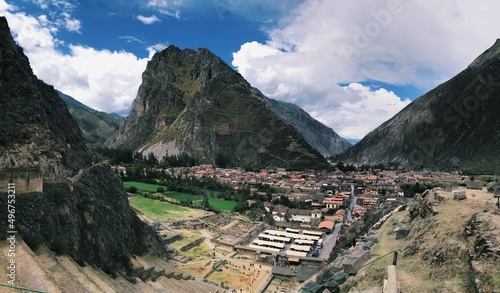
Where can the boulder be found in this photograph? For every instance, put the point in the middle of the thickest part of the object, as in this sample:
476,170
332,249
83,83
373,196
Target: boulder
491,186
459,195
402,232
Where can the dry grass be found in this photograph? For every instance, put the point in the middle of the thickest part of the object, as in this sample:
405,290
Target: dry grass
237,277
198,269
421,272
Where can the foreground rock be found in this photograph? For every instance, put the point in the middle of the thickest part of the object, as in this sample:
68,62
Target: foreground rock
63,201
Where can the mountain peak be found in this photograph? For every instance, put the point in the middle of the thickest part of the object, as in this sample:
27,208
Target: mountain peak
454,126
193,102
489,54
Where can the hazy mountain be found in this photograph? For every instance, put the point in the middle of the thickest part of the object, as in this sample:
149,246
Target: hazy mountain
98,128
318,135
64,201
191,101
455,125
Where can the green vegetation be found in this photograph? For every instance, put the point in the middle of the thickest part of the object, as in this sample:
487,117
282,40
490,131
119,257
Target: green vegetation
185,199
411,189
222,205
155,208
185,240
142,187
97,127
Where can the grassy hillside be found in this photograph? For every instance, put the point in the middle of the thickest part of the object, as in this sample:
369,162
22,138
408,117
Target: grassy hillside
435,255
98,128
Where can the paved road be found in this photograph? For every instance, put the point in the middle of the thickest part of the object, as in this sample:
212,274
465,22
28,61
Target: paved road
352,203
329,242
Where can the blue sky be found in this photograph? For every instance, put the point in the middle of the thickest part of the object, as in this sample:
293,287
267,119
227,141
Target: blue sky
351,64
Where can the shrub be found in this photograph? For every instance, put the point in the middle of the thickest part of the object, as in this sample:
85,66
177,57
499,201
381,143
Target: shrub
132,189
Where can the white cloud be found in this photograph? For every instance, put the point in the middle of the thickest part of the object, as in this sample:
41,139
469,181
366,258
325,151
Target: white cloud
167,7
324,43
60,14
71,24
148,19
102,79
176,14
356,116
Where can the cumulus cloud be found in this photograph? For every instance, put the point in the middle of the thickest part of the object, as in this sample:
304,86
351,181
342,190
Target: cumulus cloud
148,19
102,79
324,44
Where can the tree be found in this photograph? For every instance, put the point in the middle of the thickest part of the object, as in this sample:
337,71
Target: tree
151,161
204,203
132,189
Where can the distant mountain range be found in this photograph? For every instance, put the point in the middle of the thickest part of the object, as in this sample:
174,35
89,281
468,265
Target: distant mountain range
191,101
454,126
318,135
99,128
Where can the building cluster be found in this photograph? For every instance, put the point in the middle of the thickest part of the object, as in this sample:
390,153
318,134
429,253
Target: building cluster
327,193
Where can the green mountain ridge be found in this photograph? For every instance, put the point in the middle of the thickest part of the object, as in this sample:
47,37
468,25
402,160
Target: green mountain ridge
318,135
98,128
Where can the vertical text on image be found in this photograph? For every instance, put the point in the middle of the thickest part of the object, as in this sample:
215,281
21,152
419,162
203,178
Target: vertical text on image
11,220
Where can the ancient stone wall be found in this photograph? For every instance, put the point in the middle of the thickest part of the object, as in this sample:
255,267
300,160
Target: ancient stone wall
25,181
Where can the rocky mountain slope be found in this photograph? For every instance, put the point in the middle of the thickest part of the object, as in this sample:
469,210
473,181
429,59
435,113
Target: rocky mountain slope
455,125
191,101
318,135
98,128
445,245
63,200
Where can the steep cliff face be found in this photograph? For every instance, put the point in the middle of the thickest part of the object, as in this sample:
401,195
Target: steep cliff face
36,129
318,135
455,125
191,101
83,209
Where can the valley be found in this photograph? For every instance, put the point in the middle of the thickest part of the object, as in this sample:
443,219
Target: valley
208,185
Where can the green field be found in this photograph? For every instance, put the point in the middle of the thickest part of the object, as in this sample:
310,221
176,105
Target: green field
143,187
156,208
220,204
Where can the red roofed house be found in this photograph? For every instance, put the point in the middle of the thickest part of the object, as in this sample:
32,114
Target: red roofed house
326,226
333,202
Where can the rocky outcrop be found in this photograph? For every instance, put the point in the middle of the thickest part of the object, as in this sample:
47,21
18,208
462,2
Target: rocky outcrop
81,209
36,129
483,230
90,221
453,126
191,101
